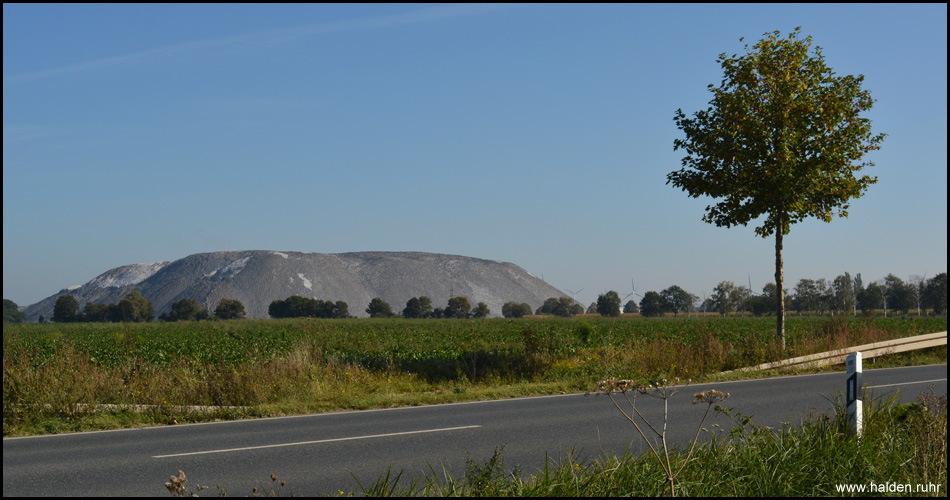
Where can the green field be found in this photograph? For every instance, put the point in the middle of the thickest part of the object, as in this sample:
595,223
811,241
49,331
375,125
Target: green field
67,377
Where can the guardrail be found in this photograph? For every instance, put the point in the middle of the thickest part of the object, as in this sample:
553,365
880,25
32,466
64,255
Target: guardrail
867,351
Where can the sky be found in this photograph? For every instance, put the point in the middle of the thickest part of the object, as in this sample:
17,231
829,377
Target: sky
534,134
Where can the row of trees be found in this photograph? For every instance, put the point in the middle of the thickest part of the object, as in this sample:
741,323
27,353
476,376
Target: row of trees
135,307
421,307
296,306
191,310
842,295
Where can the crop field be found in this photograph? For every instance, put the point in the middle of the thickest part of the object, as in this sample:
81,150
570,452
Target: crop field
64,377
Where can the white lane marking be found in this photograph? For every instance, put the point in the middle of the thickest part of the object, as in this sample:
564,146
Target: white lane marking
908,383
317,442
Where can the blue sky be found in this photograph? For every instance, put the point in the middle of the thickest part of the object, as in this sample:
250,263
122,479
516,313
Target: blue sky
534,134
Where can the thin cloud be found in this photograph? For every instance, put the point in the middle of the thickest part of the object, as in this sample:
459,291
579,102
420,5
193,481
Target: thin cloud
268,39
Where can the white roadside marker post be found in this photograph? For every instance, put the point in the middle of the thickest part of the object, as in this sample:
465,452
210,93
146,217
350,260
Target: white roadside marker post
854,384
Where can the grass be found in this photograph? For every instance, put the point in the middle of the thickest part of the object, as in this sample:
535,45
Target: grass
58,377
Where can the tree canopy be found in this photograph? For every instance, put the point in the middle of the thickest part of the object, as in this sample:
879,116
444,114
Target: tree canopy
563,306
418,307
379,308
513,309
230,309
651,304
135,307
481,310
296,306
458,307
185,310
12,312
608,304
782,140
66,309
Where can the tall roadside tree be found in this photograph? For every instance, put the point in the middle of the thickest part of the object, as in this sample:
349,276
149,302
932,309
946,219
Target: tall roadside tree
783,138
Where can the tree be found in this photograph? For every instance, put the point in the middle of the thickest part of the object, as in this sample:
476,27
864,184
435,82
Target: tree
631,307
229,309
935,293
481,310
870,298
741,298
765,303
515,310
548,307
807,295
722,298
291,307
898,295
676,299
458,307
135,307
95,313
340,310
12,312
66,309
418,307
844,293
608,304
651,304
379,308
185,310
783,138
296,306
563,306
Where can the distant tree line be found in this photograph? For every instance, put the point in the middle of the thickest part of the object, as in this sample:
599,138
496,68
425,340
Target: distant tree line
842,295
296,306
560,306
136,308
421,307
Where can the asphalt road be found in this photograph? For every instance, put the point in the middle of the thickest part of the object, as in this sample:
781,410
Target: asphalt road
322,453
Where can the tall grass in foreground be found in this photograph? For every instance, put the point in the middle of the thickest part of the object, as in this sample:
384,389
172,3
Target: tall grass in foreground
68,377
901,444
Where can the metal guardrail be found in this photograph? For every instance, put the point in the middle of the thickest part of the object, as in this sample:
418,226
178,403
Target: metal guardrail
867,351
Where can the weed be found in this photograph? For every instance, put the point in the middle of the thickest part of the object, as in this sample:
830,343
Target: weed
664,391
176,486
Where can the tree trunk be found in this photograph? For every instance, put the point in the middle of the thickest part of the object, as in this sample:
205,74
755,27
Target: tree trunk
779,282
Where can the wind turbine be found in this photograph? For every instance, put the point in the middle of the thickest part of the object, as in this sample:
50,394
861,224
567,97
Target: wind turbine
751,292
633,289
632,292
574,294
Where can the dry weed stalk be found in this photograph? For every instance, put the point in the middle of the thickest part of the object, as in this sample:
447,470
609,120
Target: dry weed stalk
176,486
664,391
